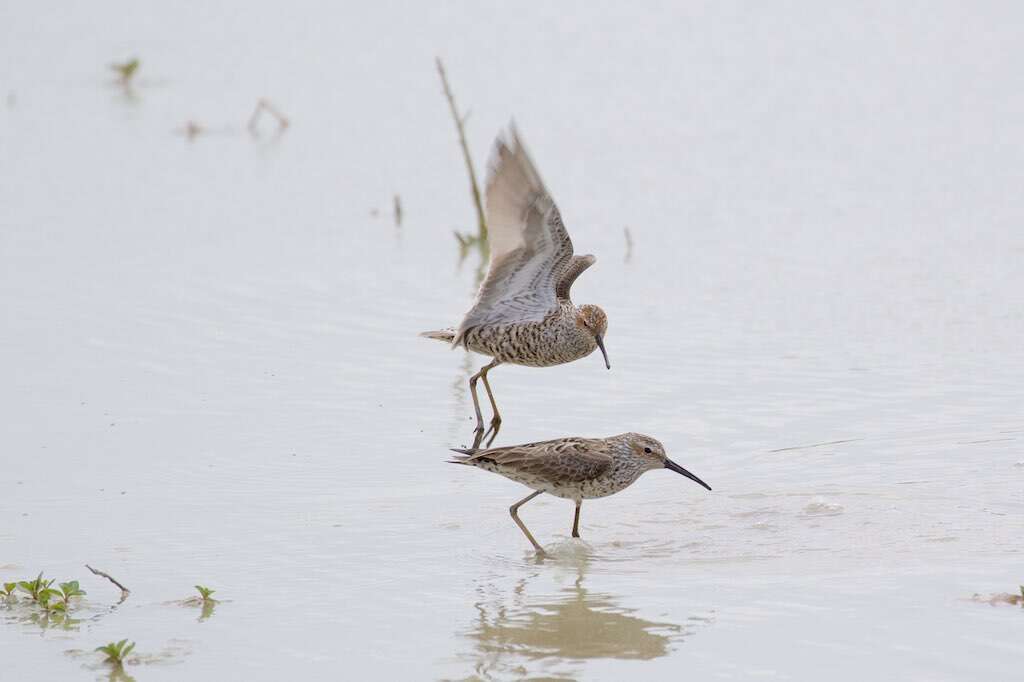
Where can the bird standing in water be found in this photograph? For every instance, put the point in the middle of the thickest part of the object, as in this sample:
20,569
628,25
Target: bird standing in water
523,314
574,468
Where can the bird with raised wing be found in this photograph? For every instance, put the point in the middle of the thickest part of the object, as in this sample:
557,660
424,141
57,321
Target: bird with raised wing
522,314
574,468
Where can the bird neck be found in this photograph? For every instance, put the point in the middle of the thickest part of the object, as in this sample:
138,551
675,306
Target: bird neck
581,336
628,465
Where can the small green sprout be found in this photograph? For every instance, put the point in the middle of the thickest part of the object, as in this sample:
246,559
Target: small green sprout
44,597
9,589
126,70
205,593
68,590
35,587
116,652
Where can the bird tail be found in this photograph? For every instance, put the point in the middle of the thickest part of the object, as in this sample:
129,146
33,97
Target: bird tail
447,335
464,456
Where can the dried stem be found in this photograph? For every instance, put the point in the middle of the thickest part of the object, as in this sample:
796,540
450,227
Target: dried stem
460,122
124,590
629,244
264,105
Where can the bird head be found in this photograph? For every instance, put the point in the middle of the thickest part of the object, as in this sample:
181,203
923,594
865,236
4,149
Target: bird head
593,320
652,453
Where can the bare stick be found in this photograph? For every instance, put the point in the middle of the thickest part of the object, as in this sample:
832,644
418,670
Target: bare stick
398,211
629,244
264,105
124,590
191,130
460,122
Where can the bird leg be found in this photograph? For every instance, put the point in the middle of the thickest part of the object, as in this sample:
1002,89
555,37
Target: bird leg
496,419
515,517
576,520
478,432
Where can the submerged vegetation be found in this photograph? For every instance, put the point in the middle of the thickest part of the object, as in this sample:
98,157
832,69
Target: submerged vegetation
48,604
205,593
39,593
42,604
35,589
204,600
68,590
116,652
1002,598
126,70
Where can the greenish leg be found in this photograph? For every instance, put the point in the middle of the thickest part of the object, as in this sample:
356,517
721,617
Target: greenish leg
496,419
514,509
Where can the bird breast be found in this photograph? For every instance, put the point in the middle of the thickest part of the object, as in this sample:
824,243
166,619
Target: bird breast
555,340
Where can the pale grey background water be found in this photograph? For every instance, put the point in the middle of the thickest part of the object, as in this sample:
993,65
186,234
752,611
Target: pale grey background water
211,372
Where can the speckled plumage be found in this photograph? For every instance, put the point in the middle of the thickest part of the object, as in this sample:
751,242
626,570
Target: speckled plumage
575,468
557,339
523,314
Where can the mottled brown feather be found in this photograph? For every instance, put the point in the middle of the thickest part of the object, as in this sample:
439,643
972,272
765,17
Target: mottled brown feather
562,461
575,268
529,245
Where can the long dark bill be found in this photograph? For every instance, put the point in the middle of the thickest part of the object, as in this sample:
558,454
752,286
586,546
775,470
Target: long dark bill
669,464
600,344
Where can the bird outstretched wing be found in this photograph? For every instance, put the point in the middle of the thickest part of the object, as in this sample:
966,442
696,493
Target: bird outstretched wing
575,268
568,460
530,248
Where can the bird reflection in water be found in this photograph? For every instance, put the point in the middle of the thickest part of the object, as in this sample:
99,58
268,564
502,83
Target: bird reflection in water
516,636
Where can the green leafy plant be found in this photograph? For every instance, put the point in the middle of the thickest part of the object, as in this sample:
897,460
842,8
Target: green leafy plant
45,598
205,593
54,603
68,590
35,588
116,652
126,70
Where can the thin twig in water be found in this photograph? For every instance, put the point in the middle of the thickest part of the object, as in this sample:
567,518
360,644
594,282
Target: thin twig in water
398,211
124,590
629,244
460,123
264,105
191,130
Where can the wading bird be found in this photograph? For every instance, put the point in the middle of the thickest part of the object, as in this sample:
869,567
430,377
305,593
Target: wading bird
522,314
574,468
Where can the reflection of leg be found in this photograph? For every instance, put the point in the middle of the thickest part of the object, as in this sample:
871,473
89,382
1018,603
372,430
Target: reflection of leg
576,521
496,418
514,509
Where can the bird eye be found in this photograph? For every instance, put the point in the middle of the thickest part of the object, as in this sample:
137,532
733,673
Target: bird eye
647,450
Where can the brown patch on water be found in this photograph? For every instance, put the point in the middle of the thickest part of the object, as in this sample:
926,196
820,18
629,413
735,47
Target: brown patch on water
1001,598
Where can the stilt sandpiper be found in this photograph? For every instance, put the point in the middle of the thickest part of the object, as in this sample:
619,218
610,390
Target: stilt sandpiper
574,468
522,314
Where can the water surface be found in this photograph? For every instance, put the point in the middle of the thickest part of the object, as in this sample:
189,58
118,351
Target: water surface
212,373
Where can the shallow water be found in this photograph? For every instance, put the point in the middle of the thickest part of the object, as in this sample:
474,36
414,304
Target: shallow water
212,373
